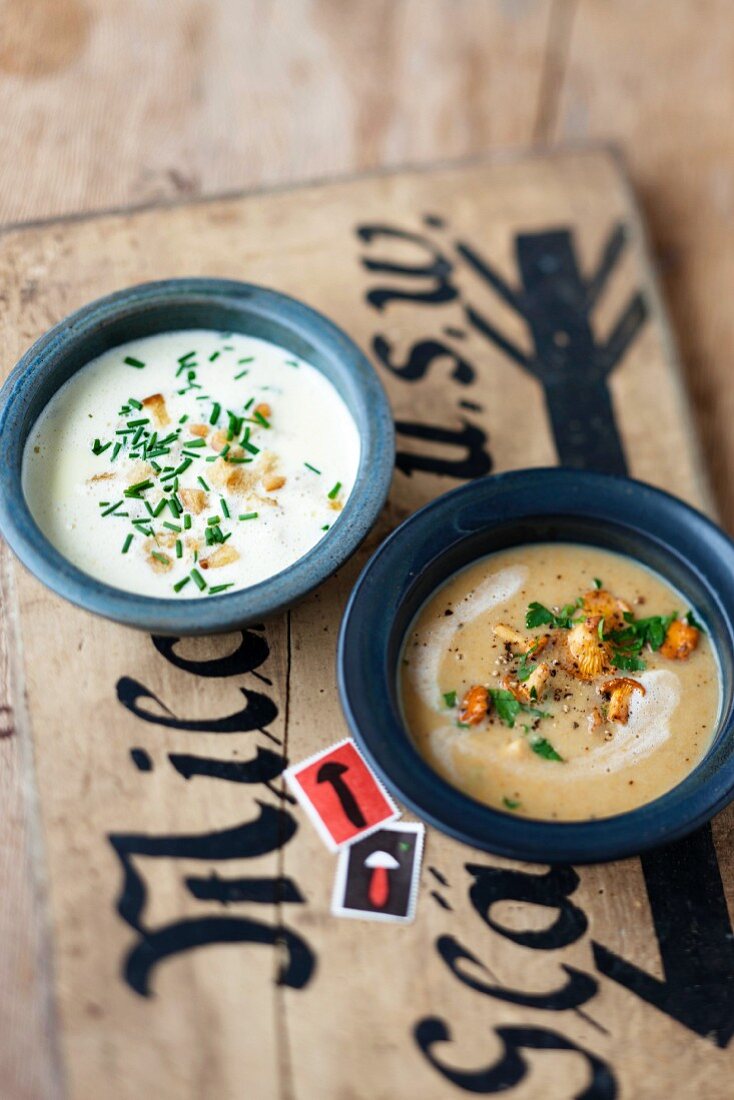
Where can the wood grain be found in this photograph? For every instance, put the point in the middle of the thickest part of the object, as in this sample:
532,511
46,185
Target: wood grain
215,1021
116,102
656,78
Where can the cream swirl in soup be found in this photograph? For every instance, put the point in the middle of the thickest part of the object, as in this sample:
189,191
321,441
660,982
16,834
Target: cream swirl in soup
190,463
560,682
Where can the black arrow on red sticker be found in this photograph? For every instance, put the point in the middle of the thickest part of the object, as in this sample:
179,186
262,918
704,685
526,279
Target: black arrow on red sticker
333,772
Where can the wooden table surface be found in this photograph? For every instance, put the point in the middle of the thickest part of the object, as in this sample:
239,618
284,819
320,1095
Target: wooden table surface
132,102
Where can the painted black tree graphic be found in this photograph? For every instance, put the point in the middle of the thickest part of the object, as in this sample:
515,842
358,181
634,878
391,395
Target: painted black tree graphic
556,302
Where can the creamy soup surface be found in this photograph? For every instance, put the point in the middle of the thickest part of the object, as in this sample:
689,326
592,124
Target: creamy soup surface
560,681
190,463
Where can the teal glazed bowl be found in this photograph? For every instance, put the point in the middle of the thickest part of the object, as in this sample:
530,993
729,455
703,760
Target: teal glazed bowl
226,306
515,509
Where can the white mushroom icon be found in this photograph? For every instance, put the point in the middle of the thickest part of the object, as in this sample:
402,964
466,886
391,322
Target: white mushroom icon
380,864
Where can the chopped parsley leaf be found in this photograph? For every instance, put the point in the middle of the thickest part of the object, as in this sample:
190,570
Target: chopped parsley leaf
542,747
539,615
508,707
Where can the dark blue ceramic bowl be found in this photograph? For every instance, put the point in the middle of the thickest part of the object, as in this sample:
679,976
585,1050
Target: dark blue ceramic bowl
162,307
509,510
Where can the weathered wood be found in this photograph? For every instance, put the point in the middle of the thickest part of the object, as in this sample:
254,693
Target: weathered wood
29,1066
655,78
113,102
216,1022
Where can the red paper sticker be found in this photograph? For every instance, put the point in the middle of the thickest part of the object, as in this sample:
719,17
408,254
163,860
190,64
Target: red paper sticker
377,877
340,794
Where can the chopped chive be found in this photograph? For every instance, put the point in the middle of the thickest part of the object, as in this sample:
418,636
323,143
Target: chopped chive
112,508
180,584
196,443
179,548
261,419
203,483
249,404
326,527
135,404
250,447
214,355
183,467
198,579
173,505
184,418
155,466
310,467
133,362
220,588
187,522
224,451
214,520
335,491
172,527
159,557
291,363
137,423
138,488
241,375
159,507
115,451
247,359
249,515
225,509
190,454
183,358
99,448
216,410
126,544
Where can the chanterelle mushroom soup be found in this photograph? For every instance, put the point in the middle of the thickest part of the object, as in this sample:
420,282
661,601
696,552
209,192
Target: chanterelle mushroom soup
190,463
560,681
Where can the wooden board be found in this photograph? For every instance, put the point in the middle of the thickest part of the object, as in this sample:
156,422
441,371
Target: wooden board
616,979
641,75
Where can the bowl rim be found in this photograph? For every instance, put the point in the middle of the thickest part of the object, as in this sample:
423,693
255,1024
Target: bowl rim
366,672
228,611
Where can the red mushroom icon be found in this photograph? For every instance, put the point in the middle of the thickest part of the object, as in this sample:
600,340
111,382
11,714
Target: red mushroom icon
380,864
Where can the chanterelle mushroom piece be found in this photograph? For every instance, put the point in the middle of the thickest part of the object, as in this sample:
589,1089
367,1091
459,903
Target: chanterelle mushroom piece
159,562
193,499
533,688
619,692
156,405
510,637
223,555
590,655
680,641
474,705
600,601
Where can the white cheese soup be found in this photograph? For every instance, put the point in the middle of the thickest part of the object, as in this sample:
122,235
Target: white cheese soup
190,463
560,682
